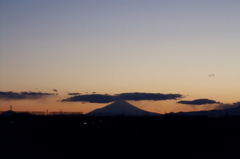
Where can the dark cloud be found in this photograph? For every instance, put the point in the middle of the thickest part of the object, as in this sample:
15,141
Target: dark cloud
92,98
105,98
55,90
23,95
74,94
148,96
198,102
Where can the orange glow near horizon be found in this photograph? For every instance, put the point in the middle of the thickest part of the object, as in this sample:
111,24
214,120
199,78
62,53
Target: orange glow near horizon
51,104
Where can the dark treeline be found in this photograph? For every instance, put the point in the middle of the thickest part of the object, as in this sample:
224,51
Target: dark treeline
29,136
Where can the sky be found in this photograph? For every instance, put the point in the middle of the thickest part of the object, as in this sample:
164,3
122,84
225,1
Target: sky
119,46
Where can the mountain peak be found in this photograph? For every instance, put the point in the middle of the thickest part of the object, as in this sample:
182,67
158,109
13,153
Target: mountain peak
120,107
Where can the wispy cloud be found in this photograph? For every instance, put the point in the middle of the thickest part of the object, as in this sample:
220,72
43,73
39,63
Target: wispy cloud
23,95
74,94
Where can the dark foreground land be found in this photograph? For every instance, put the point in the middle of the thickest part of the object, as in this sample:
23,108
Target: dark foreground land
59,137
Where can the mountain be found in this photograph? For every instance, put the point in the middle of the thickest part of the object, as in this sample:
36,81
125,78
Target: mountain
121,108
212,113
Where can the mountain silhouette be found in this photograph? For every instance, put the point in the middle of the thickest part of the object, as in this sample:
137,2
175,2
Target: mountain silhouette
212,113
121,108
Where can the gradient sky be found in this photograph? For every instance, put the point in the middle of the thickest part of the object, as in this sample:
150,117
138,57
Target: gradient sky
116,46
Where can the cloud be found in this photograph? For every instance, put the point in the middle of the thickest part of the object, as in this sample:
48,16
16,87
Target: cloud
23,95
105,98
55,90
74,94
148,96
92,98
198,102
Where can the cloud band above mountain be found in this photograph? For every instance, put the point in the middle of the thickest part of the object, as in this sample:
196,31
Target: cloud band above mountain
100,98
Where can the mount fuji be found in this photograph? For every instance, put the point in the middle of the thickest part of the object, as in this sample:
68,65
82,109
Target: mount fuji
121,108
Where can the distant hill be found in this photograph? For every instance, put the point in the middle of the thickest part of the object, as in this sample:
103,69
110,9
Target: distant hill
8,113
121,108
13,113
211,113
